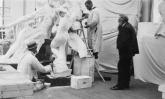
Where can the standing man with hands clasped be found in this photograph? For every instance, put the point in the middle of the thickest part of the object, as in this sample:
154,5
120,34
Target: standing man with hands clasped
127,47
94,29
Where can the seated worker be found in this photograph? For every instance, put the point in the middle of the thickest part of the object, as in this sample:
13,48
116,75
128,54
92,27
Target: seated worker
29,64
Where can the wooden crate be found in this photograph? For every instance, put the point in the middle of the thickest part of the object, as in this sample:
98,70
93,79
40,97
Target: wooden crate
14,84
84,66
79,82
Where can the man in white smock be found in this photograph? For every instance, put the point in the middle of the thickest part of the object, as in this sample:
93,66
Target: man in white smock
29,64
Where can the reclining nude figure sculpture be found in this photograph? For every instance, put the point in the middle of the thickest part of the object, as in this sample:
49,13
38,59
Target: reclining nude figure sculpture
48,16
149,65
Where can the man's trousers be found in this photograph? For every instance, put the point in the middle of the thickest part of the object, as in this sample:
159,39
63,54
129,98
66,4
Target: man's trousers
124,67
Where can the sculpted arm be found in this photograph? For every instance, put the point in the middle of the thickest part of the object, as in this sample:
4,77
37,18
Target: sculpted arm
160,31
24,18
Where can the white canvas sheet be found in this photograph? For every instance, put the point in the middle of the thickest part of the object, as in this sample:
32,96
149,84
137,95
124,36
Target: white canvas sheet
149,65
109,13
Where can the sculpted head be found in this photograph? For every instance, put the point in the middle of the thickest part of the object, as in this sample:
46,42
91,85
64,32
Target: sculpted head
62,11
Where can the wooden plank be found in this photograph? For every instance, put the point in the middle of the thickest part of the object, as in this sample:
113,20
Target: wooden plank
12,78
10,94
14,84
7,61
16,87
24,97
16,93
7,68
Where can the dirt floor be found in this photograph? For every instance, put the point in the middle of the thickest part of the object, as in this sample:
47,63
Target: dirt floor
100,90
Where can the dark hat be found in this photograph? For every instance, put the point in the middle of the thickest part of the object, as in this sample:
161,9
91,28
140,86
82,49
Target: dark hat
32,45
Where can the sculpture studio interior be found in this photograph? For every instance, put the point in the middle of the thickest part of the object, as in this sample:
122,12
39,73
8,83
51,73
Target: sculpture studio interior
82,49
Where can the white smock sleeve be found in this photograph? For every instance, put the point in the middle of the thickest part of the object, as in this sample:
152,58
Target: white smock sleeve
36,65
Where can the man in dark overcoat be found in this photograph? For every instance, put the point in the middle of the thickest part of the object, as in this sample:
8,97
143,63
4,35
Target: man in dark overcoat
127,47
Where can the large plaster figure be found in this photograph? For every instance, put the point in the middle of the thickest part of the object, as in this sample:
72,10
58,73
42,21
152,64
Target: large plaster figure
59,42
62,37
48,16
149,64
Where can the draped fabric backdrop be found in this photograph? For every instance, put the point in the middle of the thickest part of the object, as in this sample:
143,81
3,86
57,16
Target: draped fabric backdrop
149,65
109,12
23,7
146,11
136,10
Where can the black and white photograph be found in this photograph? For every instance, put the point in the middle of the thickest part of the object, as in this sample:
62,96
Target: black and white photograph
82,49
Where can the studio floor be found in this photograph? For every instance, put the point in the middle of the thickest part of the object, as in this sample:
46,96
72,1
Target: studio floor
100,90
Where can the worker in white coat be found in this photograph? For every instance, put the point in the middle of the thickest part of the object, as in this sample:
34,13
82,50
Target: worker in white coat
94,29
